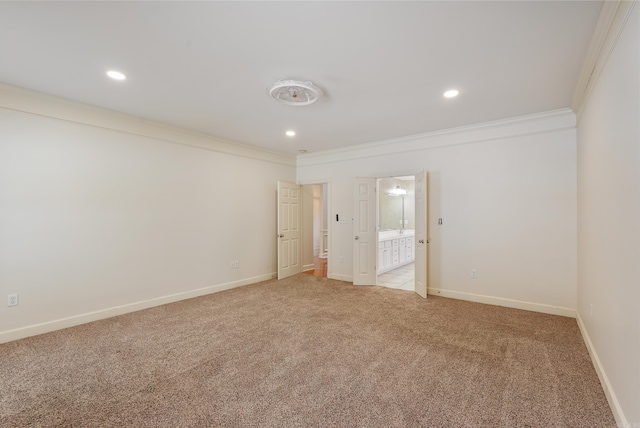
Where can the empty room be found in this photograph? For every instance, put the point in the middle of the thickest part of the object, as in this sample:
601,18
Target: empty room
310,213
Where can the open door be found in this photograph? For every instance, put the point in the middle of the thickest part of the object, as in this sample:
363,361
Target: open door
421,238
365,241
289,222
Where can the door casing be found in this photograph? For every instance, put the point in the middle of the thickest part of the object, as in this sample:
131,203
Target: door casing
365,248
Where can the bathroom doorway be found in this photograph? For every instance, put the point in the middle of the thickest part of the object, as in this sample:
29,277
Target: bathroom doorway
396,232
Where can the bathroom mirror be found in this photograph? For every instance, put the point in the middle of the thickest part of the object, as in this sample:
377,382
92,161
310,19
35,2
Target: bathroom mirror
396,203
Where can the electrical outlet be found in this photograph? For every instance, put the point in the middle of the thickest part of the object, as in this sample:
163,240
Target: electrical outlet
12,300
474,273
236,264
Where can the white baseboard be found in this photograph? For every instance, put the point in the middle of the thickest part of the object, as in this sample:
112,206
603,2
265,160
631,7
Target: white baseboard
621,420
499,301
306,268
32,330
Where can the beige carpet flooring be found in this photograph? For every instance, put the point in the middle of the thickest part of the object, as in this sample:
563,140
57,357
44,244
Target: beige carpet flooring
306,352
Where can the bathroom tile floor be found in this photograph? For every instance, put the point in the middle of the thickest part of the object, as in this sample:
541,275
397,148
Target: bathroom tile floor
402,278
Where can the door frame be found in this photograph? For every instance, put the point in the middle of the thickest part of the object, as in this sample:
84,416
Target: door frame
403,173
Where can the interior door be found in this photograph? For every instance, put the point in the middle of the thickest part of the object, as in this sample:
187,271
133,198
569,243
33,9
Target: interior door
421,238
364,232
289,223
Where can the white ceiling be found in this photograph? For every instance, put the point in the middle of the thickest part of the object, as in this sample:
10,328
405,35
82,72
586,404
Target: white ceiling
383,66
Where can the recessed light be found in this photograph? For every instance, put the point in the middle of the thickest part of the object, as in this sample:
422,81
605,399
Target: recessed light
290,133
116,75
451,93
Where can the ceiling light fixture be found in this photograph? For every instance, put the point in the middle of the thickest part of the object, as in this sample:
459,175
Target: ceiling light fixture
398,191
295,92
290,133
451,93
116,75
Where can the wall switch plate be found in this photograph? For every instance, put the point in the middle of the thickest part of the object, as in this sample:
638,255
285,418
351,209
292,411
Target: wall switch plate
341,259
12,300
474,273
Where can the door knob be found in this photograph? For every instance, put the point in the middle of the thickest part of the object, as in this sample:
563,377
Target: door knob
356,238
281,236
421,241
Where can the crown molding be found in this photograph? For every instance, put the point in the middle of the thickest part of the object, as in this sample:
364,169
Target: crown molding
41,104
550,121
611,21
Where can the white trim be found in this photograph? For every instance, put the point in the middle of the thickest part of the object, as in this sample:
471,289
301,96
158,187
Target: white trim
618,414
612,20
533,124
32,330
396,174
318,181
307,268
499,301
37,103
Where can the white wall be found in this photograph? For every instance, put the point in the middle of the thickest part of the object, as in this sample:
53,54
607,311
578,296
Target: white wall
96,221
507,195
609,223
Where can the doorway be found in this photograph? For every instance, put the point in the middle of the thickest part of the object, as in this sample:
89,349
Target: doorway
366,244
396,232
316,229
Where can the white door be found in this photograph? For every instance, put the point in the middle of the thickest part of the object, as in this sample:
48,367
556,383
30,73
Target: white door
289,222
365,244
421,238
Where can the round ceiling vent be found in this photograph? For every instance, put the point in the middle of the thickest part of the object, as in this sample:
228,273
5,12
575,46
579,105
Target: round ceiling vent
295,92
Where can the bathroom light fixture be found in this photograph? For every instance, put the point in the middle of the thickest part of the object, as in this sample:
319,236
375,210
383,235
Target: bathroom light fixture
397,191
116,75
290,133
295,92
451,93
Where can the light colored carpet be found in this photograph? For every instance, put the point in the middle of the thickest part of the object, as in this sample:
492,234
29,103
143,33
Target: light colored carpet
306,352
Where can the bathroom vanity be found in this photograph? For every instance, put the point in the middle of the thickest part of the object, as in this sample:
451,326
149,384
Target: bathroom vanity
395,248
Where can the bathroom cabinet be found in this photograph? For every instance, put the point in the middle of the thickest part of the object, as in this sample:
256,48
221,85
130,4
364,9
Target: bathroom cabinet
395,251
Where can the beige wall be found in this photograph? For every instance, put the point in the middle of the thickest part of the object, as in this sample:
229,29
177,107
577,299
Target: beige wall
96,221
609,223
507,196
